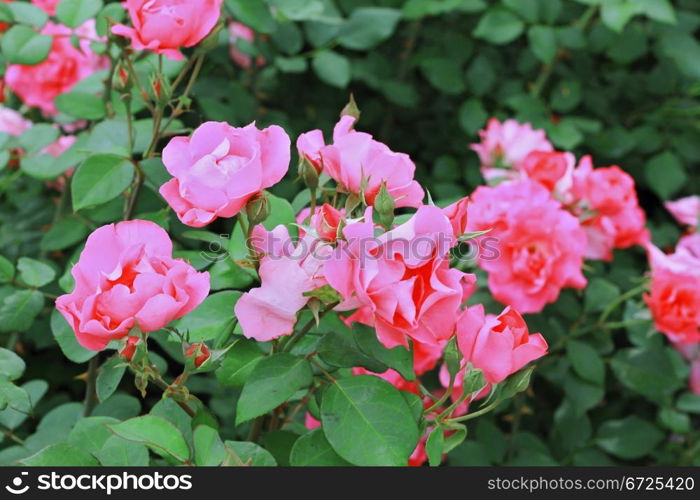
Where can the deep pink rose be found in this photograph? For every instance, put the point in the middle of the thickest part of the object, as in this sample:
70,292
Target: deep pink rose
65,66
674,300
48,6
325,221
12,123
504,146
355,160
287,271
166,26
220,168
685,210
547,167
127,278
401,282
499,346
457,214
241,31
540,245
608,207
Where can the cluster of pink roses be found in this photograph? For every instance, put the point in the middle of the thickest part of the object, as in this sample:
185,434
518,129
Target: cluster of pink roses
547,214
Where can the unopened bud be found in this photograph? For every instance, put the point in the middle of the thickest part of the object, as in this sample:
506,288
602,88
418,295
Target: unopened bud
129,349
351,109
384,206
309,173
258,209
211,41
198,352
160,90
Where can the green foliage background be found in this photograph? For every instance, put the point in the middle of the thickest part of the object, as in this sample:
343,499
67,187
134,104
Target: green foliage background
618,79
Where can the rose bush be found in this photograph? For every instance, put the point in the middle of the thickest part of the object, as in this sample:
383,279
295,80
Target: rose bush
260,232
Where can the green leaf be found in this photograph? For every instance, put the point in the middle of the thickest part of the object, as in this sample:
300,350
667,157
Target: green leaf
674,420
646,370
63,234
472,116
617,13
251,453
11,366
665,174
212,319
155,432
81,104
566,96
689,402
599,294
61,454
314,450
7,270
117,452
628,438
332,68
22,45
253,13
586,361
38,137
367,27
239,363
99,179
339,348
399,358
368,422
527,9
91,433
65,337
273,381
208,448
22,402
27,13
445,74
658,10
434,446
543,42
34,272
499,26
73,13
109,376
18,311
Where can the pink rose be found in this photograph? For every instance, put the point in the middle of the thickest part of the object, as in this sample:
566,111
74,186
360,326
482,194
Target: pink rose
48,6
689,245
457,214
325,221
126,278
505,145
674,300
685,210
356,161
12,123
498,346
65,66
608,207
166,26
540,245
236,31
220,168
547,167
286,273
400,282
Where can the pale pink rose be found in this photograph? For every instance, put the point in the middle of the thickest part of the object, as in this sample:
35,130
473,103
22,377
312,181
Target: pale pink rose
241,31
127,278
674,299
498,346
220,168
12,123
685,210
540,245
65,66
356,161
48,6
505,145
400,282
690,245
166,26
457,214
287,272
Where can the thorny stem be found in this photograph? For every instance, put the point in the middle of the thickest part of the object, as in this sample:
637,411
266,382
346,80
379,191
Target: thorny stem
478,413
161,384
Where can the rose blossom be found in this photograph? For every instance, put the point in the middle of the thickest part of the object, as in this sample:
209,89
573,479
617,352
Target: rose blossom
127,278
325,221
674,299
48,6
286,273
457,214
166,26
220,168
12,123
236,31
65,66
357,163
611,215
400,282
505,145
685,210
540,245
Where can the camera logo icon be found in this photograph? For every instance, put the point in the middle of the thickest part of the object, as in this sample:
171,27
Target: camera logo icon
16,488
